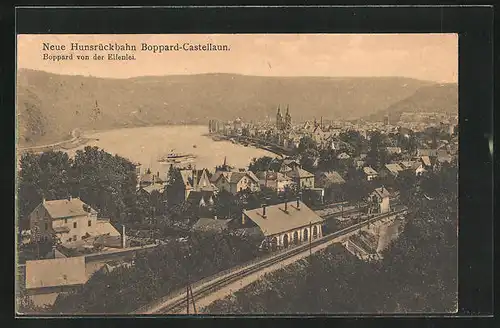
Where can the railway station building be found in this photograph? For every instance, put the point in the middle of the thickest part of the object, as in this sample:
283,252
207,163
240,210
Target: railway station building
286,224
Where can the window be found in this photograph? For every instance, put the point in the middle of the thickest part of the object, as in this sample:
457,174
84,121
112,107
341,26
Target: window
65,220
90,223
74,224
75,238
46,226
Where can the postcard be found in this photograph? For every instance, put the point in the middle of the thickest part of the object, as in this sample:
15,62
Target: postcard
236,174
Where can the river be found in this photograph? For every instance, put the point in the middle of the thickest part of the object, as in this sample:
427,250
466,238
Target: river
146,144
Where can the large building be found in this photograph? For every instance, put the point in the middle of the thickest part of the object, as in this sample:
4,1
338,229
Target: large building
283,123
284,224
67,220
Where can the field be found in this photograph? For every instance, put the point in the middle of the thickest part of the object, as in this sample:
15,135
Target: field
146,144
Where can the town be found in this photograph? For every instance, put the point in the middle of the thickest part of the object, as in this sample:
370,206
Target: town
352,183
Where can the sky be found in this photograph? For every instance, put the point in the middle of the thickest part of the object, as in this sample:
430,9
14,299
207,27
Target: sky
432,57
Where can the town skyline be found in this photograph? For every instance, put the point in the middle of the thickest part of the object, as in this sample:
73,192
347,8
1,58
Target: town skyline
430,57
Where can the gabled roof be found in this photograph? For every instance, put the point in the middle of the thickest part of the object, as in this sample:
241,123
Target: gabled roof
104,227
426,152
330,178
409,165
394,168
369,171
195,197
160,187
299,173
65,208
382,192
234,177
289,161
277,220
272,176
426,160
56,272
147,177
209,224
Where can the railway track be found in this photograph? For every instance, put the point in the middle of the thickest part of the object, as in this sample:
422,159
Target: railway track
176,301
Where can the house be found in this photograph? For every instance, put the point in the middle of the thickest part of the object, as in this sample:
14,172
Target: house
343,156
46,279
195,180
329,179
291,163
291,222
370,173
301,178
68,220
235,182
414,166
426,152
321,137
201,199
390,170
380,200
426,162
274,180
147,190
393,150
148,179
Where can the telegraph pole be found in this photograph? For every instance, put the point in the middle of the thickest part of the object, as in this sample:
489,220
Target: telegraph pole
192,299
187,297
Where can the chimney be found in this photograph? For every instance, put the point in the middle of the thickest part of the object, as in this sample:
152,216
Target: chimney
243,220
286,205
43,200
69,197
124,237
298,202
264,210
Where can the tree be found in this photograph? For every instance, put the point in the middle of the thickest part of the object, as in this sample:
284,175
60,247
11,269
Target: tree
328,160
48,175
105,182
306,142
309,159
377,156
264,163
355,139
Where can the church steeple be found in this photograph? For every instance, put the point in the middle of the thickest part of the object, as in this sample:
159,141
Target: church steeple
279,119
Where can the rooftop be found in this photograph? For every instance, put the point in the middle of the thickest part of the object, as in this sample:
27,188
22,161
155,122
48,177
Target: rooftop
277,220
56,272
64,208
209,224
299,173
382,192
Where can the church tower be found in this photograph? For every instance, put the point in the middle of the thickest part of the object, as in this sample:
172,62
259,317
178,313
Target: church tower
288,120
279,120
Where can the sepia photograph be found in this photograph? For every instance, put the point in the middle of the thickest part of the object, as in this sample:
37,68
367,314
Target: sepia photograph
236,174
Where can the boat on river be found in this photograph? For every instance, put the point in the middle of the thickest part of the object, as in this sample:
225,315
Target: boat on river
176,158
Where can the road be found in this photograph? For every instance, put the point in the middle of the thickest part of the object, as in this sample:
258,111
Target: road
212,288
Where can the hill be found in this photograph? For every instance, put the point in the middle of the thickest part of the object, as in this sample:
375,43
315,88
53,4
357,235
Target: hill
437,98
50,106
